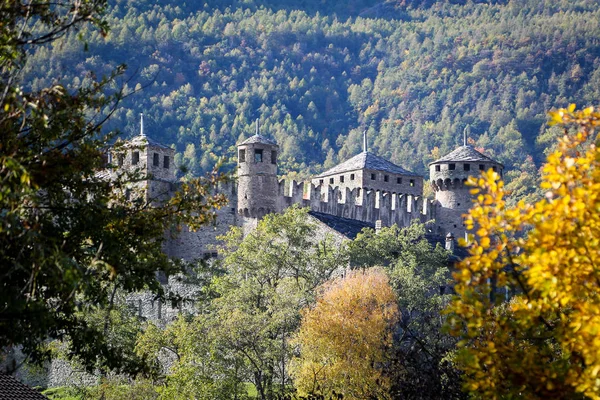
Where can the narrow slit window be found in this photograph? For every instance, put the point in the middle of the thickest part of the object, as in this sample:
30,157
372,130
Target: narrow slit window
155,160
135,158
351,177
120,159
437,168
258,153
273,157
342,179
372,177
467,167
331,180
320,181
412,182
386,178
399,181
242,156
166,162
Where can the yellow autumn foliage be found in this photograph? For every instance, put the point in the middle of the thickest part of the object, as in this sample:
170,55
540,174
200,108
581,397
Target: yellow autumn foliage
344,338
545,257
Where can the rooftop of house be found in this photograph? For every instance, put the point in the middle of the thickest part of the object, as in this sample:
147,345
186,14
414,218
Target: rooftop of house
465,153
12,389
367,160
258,139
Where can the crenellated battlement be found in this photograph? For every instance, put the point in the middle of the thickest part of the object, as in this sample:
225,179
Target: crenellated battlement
363,204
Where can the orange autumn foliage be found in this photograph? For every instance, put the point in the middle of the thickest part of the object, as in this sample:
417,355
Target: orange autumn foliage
344,338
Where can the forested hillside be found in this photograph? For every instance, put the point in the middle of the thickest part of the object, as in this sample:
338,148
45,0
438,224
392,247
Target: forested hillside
416,74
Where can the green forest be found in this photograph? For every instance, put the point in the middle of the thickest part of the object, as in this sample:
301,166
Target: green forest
415,74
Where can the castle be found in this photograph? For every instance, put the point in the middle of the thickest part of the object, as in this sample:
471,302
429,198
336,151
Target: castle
364,191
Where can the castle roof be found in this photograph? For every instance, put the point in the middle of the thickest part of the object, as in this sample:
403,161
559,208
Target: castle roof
349,228
141,140
258,139
10,388
465,153
367,160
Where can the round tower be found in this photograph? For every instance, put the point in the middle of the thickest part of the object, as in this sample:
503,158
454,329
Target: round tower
258,186
448,177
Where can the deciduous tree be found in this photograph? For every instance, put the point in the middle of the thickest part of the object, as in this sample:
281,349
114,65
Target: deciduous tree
420,365
67,244
271,273
543,343
345,337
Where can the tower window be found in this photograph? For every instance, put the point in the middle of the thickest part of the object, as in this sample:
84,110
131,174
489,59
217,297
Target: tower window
320,181
331,180
258,153
481,167
351,177
120,159
242,156
155,160
273,157
386,178
399,181
135,158
342,179
412,182
166,162
437,168
373,177
467,167
451,167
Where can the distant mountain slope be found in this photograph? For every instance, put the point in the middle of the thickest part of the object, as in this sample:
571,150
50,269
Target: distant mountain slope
317,76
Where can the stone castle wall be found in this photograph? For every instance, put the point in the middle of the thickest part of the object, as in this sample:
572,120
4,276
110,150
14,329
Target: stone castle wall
366,205
192,245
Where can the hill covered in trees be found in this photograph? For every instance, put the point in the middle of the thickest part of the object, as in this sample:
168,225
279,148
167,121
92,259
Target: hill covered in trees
415,74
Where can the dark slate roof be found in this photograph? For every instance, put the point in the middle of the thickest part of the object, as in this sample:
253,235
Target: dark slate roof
347,227
12,389
140,139
465,153
366,160
258,139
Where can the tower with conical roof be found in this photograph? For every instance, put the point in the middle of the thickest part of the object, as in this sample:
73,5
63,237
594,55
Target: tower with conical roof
258,186
448,177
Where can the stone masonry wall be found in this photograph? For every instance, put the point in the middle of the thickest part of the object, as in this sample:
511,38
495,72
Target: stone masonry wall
360,204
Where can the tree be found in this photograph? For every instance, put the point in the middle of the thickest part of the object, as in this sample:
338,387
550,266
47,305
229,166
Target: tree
420,365
196,366
68,243
345,337
247,313
271,273
543,343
